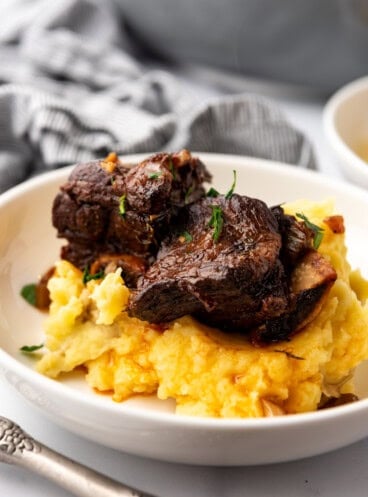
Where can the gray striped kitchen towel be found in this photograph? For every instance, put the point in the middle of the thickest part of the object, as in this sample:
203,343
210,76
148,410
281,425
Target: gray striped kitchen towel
71,90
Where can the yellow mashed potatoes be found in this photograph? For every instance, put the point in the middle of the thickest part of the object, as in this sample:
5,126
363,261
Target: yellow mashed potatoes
207,372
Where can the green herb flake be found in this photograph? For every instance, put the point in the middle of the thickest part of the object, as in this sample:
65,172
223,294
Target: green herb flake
212,193
216,222
155,175
29,349
87,276
317,230
187,236
172,169
188,194
229,194
318,237
29,293
122,207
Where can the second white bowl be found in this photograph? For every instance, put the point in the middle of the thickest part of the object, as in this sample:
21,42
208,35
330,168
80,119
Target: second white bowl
345,122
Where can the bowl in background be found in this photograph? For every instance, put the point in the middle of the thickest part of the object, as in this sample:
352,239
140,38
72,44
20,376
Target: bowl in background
345,122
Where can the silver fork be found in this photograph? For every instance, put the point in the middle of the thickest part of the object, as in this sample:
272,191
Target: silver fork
17,447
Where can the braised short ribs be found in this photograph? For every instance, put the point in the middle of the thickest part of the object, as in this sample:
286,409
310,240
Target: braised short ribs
107,210
238,281
234,282
230,261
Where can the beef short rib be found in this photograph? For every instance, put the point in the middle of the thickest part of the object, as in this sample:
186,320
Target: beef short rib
232,280
107,208
232,275
230,261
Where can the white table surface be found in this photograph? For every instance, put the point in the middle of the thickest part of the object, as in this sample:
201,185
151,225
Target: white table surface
339,474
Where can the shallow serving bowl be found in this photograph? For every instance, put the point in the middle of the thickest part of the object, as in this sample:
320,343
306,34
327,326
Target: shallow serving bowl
345,122
146,426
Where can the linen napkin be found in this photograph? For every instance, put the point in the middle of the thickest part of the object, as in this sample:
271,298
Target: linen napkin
73,88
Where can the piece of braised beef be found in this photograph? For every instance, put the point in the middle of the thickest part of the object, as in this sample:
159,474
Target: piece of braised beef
309,283
297,238
230,277
231,274
107,208
232,262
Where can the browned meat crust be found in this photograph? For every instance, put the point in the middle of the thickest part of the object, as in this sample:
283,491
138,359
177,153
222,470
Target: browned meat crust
309,284
106,207
230,260
238,282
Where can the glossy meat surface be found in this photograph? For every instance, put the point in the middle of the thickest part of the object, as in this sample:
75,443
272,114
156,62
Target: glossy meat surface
257,274
234,282
229,260
107,208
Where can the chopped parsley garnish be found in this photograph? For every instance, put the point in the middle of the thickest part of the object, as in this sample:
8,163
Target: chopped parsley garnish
172,169
216,222
155,175
122,207
187,236
229,194
317,230
87,276
188,194
29,293
29,349
212,193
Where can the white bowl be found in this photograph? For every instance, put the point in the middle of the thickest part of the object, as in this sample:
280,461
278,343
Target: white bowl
345,122
146,426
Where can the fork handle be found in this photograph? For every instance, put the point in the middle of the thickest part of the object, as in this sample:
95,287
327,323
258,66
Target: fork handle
17,447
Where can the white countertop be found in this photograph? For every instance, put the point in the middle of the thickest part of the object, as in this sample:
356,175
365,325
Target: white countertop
338,474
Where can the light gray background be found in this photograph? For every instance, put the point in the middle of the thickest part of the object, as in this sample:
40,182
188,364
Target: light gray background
321,43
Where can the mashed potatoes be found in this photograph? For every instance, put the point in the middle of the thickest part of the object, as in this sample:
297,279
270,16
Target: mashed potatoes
207,372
